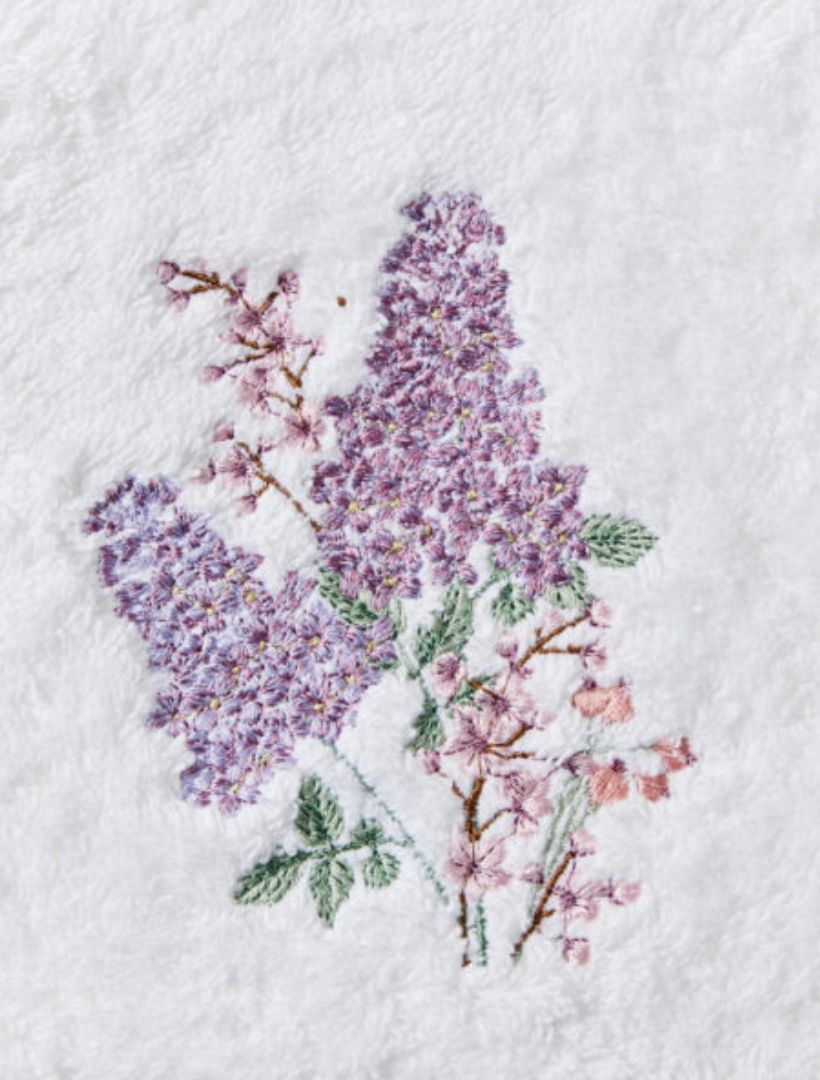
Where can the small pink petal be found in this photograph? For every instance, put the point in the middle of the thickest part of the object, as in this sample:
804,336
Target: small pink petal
167,271
178,299
507,646
653,788
223,431
607,785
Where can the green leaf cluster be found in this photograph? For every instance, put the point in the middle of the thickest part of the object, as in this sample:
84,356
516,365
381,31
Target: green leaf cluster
320,823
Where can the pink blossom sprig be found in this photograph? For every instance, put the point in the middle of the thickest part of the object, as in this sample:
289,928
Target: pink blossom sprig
270,373
510,786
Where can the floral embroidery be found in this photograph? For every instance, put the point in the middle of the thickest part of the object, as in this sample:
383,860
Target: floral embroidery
435,489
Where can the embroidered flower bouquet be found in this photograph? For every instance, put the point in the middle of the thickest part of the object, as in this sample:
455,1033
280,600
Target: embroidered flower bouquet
448,555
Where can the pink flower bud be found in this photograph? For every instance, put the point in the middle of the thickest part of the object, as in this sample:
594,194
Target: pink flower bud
288,283
507,646
167,271
600,614
178,299
212,373
223,431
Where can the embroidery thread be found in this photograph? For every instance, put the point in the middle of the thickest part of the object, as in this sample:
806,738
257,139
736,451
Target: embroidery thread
435,489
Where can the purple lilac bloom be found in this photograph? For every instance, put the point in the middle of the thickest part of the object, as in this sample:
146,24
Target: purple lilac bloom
249,671
438,451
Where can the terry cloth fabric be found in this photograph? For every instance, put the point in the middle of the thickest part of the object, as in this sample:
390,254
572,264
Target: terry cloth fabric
409,440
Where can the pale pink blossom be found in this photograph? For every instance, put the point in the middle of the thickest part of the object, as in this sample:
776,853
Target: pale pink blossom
206,474
304,429
529,800
593,655
167,271
625,892
223,431
610,704
576,949
178,299
236,466
430,761
478,866
600,614
448,673
507,646
582,843
608,783
533,873
653,788
479,732
675,757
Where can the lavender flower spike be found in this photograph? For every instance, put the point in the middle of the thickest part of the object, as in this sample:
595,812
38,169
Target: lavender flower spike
249,672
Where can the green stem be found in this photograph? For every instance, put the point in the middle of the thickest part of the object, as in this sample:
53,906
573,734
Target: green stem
571,812
421,858
480,927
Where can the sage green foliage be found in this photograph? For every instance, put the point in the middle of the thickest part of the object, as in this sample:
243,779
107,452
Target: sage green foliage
319,817
320,823
331,880
574,595
428,733
616,541
380,869
268,882
451,628
512,605
354,612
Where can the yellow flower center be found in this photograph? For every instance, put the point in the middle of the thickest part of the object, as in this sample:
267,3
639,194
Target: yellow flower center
352,507
472,494
397,545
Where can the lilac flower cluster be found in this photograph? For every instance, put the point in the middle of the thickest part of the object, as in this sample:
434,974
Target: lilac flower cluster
250,672
438,451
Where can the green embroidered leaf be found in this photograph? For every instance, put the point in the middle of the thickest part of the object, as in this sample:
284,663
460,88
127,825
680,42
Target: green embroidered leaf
354,612
368,833
319,817
330,883
380,870
451,628
428,732
512,605
268,882
616,541
574,595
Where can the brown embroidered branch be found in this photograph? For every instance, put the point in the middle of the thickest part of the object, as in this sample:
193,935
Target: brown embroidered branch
541,913
268,480
210,281
463,925
538,646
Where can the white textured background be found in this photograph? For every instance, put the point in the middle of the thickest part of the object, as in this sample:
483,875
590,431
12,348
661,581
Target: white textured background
656,165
